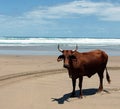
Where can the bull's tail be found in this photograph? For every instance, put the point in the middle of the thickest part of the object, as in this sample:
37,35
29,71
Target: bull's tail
107,76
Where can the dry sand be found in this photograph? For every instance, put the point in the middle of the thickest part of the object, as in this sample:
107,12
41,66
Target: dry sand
40,82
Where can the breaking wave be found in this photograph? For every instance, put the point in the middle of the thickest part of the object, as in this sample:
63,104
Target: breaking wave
39,41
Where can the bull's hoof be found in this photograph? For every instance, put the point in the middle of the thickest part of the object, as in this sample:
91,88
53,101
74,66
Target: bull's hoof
99,90
80,97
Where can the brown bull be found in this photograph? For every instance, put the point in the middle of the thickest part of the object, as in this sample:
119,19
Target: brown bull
84,64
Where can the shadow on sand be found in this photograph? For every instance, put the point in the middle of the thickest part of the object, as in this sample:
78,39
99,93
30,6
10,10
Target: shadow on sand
86,92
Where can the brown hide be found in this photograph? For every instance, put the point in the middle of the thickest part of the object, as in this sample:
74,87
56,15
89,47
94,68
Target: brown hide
87,63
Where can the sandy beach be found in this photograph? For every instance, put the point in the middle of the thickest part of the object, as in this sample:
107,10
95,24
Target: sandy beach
40,82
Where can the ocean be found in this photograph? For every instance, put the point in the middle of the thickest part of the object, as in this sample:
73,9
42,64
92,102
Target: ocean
48,45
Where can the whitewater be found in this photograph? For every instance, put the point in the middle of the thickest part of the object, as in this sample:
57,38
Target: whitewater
48,46
43,41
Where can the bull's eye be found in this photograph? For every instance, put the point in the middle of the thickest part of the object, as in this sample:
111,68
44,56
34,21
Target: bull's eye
69,57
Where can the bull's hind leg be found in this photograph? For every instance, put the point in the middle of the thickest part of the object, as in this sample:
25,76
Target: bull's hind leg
100,74
80,85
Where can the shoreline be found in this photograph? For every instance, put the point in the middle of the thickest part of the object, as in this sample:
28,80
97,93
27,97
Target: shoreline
52,50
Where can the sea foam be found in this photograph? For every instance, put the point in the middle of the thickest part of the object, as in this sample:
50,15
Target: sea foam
41,41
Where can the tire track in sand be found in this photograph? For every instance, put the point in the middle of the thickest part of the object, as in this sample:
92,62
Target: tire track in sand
11,78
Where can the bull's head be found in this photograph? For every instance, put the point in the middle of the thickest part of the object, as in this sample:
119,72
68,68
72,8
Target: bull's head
67,56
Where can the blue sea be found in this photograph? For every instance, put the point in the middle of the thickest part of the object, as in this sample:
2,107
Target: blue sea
48,45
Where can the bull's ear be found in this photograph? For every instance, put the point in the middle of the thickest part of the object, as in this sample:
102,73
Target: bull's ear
60,58
72,57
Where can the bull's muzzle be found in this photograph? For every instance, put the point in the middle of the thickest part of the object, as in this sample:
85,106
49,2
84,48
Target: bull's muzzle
66,66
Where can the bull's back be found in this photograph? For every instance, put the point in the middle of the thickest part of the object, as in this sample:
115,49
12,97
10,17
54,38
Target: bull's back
92,62
94,57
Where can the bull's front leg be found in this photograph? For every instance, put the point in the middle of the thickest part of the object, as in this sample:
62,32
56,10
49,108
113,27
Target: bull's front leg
73,84
80,85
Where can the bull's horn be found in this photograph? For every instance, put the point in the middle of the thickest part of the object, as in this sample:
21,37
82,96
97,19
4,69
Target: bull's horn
75,48
59,48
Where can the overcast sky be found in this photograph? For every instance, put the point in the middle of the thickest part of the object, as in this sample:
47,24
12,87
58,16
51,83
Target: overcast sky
60,18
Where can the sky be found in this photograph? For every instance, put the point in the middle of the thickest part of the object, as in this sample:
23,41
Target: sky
60,18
